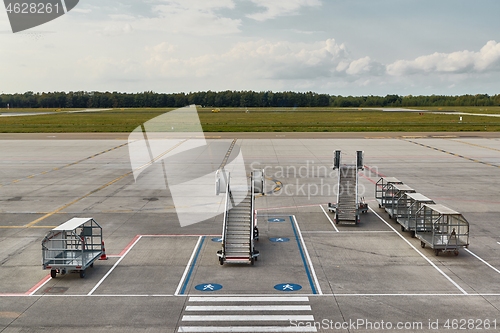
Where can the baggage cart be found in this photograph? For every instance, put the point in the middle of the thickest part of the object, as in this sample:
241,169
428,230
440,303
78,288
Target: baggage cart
409,204
392,201
444,230
382,190
72,247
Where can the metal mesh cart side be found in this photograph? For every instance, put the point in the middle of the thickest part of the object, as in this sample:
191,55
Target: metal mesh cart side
407,215
72,247
393,205
443,229
382,187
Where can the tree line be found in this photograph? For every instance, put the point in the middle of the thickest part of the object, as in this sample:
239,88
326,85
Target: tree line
83,99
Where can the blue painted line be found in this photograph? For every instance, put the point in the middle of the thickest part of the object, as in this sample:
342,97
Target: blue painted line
309,277
186,282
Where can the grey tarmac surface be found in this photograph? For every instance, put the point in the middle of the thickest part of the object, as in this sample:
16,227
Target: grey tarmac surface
364,278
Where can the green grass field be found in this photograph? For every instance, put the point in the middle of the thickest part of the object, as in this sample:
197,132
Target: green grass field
260,120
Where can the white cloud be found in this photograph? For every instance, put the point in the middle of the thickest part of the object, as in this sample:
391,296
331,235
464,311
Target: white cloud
81,11
265,59
275,8
488,58
172,17
197,17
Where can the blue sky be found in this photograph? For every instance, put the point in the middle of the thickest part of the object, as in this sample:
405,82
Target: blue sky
340,47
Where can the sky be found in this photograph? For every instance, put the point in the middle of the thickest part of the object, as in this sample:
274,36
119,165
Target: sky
338,47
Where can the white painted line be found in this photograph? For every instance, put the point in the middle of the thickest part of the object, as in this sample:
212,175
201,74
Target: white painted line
313,272
329,219
114,266
39,287
403,295
226,318
188,266
483,261
245,329
421,254
349,232
249,308
249,299
311,295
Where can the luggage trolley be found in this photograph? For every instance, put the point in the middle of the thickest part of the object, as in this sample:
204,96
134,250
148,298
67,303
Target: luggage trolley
408,205
72,247
382,190
393,206
443,229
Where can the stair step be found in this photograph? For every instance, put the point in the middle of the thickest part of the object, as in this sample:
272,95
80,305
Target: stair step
237,251
237,244
238,232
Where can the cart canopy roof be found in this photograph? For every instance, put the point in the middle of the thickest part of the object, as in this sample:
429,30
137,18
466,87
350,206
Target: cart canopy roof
442,209
418,197
72,224
391,180
402,187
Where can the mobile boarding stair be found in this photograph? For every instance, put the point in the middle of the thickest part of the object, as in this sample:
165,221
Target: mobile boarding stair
239,230
348,205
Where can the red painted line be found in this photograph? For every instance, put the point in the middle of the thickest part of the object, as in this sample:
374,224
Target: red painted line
129,246
122,253
374,171
179,235
12,295
369,179
285,207
36,286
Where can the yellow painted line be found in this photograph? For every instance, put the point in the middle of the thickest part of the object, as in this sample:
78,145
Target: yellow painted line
70,164
31,224
12,227
10,315
476,145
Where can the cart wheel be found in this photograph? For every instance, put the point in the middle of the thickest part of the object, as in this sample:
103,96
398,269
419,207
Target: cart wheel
422,244
92,265
436,252
413,234
403,228
379,206
82,274
252,261
221,261
455,252
53,273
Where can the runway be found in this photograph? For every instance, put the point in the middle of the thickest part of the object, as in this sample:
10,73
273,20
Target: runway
312,275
